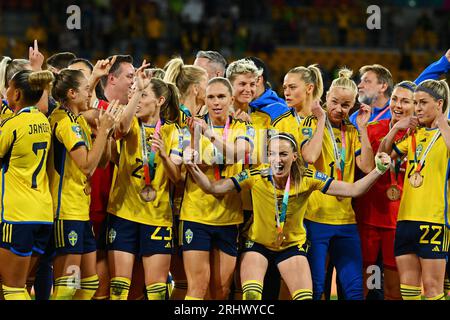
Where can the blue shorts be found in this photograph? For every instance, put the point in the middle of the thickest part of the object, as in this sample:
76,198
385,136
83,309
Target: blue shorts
199,236
73,237
276,256
426,240
24,239
137,238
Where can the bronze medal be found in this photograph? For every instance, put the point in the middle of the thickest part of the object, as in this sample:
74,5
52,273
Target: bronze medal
280,238
148,194
416,180
393,193
340,198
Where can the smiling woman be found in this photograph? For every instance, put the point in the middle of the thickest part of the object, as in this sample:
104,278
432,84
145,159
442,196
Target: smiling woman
280,237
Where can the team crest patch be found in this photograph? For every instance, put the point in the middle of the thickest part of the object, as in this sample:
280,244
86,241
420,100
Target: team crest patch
188,235
242,176
419,150
321,176
249,244
112,235
307,132
77,131
73,238
250,131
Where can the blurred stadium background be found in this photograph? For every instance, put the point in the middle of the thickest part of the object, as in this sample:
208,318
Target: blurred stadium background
284,33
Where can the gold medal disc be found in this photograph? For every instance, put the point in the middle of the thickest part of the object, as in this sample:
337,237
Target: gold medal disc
148,194
393,193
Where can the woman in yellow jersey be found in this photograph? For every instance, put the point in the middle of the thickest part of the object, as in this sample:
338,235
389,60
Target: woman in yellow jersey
422,239
140,221
333,146
302,86
26,203
72,160
277,234
209,224
191,83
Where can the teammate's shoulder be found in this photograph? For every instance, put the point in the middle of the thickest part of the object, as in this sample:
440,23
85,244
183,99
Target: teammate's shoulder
284,115
62,114
308,121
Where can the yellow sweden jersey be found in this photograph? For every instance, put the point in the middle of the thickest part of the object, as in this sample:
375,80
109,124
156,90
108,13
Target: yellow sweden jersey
5,111
200,207
429,201
323,208
67,181
25,140
124,200
263,229
289,123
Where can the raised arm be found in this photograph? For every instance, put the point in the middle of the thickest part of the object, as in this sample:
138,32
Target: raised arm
142,82
365,160
312,149
388,141
219,187
345,189
436,69
88,160
171,163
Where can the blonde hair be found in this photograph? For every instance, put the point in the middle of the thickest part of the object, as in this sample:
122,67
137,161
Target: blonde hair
242,66
223,81
311,75
438,89
344,81
183,76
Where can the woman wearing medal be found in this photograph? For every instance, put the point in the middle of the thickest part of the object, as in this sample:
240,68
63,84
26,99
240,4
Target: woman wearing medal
140,223
336,150
377,209
280,192
191,82
72,160
209,223
422,239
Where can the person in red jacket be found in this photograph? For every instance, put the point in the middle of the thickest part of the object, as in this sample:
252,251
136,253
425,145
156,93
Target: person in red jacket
377,210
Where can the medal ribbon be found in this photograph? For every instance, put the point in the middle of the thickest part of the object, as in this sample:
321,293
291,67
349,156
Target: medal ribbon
339,156
381,114
148,158
185,110
216,154
280,215
427,150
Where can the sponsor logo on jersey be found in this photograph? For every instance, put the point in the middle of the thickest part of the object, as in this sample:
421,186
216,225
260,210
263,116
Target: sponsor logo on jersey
77,130
321,176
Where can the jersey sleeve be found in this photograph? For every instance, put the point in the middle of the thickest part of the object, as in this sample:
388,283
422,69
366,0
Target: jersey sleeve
245,179
401,148
70,134
246,132
307,128
7,137
317,180
174,138
357,143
